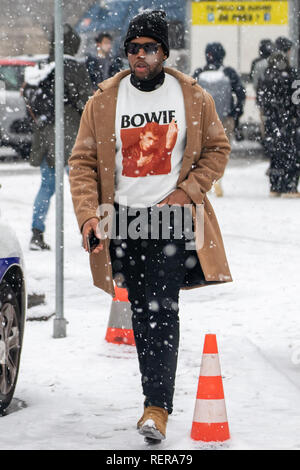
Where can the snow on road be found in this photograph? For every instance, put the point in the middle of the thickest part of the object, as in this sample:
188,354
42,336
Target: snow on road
83,393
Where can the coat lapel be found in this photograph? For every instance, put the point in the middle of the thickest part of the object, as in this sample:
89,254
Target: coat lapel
192,104
105,118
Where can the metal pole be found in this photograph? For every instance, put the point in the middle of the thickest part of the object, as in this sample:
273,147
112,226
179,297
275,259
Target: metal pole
294,31
59,330
239,49
188,36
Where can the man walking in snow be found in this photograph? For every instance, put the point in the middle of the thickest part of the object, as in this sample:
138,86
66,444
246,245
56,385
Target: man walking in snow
153,269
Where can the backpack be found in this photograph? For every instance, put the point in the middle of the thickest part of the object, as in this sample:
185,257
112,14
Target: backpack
218,85
39,95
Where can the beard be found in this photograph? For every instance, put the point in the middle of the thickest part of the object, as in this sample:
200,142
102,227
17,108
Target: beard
152,73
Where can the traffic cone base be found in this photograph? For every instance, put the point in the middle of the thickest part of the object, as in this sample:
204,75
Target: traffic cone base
210,432
120,336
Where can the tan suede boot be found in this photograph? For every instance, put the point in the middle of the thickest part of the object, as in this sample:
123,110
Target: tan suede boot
293,195
139,423
153,423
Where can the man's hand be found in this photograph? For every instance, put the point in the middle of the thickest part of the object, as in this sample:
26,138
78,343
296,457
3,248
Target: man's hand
177,197
89,226
144,160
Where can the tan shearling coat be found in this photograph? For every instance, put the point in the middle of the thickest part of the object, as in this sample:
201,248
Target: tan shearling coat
92,174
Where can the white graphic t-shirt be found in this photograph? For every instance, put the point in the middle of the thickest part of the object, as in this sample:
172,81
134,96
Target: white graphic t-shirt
151,138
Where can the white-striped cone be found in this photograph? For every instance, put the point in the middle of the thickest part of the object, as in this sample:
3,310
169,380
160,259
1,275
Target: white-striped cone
119,330
210,418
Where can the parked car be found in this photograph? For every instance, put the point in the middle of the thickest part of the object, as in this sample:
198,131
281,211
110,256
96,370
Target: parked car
15,124
12,312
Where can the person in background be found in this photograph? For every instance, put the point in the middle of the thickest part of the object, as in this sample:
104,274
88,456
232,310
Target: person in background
225,86
258,68
103,65
284,45
179,57
78,89
260,64
274,95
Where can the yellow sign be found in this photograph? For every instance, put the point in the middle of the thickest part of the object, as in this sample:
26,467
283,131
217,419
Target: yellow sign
240,13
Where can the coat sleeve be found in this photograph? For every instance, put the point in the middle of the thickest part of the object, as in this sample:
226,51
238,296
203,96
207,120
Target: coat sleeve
83,169
214,155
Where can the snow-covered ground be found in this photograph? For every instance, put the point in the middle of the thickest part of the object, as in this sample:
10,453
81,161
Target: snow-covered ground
83,393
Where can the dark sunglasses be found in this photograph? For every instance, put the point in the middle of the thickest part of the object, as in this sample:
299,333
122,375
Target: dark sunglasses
148,48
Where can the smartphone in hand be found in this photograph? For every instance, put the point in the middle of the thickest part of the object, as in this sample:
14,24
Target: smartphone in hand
92,241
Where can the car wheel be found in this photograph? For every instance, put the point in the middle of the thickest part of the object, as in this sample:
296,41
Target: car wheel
10,344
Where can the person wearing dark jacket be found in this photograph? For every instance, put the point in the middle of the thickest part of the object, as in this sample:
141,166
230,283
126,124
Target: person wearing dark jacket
104,65
215,54
259,65
225,87
274,96
78,89
284,45
258,68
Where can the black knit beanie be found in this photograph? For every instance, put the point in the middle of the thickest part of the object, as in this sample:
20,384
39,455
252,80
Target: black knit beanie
283,44
215,53
152,24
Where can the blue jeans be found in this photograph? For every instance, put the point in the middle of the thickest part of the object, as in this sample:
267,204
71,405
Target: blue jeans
42,200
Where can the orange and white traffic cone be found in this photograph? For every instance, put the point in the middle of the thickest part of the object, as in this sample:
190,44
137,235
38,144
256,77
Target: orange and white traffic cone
119,330
210,418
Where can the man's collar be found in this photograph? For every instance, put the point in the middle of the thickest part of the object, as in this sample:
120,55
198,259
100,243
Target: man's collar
115,80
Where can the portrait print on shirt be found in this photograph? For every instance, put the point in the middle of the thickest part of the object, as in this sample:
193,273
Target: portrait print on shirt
147,150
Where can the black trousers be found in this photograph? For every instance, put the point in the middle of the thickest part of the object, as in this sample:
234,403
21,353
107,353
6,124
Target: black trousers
153,271
281,147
